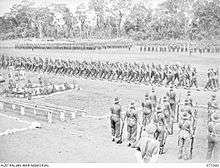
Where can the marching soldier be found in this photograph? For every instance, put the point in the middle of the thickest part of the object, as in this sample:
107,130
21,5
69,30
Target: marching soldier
161,131
213,137
115,120
132,121
185,134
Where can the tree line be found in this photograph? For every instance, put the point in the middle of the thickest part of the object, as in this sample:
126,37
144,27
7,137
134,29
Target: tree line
171,20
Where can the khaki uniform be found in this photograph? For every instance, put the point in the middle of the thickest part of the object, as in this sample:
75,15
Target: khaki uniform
146,113
161,132
115,121
132,118
185,134
213,142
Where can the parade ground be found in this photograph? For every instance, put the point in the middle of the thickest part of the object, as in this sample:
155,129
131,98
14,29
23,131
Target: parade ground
88,139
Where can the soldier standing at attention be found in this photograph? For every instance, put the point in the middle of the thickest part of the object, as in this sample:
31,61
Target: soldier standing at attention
161,131
132,119
189,98
212,106
172,100
153,99
167,112
184,136
213,137
146,111
148,146
115,120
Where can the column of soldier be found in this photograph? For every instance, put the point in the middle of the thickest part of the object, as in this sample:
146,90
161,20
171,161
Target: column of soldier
156,120
180,76
179,48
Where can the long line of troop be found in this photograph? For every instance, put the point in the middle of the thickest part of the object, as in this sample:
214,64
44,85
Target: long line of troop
180,76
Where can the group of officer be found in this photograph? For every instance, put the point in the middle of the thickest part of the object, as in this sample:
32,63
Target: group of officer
155,120
183,76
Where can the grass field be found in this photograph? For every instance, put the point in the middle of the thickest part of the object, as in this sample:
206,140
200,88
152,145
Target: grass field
89,139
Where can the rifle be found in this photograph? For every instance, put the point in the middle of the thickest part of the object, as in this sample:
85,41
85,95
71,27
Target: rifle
122,128
178,109
192,138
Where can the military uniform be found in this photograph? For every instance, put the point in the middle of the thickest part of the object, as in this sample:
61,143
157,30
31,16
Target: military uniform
213,137
148,146
212,107
146,111
185,133
168,114
161,131
132,119
153,99
172,100
115,120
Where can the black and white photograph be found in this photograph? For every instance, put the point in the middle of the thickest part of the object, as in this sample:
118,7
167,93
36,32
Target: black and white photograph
109,81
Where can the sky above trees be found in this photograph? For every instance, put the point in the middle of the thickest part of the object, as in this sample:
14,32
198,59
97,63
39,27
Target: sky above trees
72,4
172,19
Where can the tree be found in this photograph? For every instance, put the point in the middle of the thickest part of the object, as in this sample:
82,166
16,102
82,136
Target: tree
119,9
138,18
81,10
206,21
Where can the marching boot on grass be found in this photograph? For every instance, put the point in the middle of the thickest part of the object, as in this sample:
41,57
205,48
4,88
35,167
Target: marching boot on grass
115,120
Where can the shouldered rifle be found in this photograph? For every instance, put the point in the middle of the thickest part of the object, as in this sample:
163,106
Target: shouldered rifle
192,138
178,108
122,128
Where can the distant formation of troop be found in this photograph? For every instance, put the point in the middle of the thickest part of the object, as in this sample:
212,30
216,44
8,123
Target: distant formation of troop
179,48
148,127
180,76
141,46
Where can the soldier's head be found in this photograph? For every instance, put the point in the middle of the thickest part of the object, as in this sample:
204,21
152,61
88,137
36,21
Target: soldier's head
116,100
152,90
185,115
213,97
159,109
132,106
171,88
215,117
186,102
146,96
164,99
188,93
